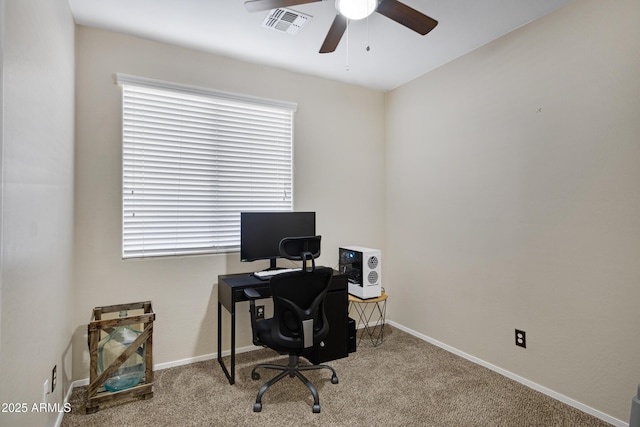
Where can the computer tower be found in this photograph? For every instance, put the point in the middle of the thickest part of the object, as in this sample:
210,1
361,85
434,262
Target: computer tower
336,306
363,269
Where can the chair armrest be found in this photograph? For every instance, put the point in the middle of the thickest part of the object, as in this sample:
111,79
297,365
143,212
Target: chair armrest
252,293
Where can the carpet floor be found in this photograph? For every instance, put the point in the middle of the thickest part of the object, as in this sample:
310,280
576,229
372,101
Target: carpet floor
404,381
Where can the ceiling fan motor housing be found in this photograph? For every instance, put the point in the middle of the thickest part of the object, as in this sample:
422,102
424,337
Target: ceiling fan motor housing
356,9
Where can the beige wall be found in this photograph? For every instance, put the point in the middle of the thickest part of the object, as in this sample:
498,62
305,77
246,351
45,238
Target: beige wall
512,202
36,292
339,173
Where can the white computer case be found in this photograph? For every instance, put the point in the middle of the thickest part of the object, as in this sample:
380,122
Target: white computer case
364,267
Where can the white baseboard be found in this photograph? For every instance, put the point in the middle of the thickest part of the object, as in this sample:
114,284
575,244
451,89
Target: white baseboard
560,397
66,400
190,360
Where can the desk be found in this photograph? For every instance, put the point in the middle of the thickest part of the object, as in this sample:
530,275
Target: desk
231,290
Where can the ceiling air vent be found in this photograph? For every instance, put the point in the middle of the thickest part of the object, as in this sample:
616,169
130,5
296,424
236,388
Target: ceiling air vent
285,20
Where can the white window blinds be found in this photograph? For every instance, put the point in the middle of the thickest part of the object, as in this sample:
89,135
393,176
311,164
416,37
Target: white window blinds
193,159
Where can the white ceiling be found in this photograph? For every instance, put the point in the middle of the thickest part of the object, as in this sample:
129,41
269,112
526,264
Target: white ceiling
397,54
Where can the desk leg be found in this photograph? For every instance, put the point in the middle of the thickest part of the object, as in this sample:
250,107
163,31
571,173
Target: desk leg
231,376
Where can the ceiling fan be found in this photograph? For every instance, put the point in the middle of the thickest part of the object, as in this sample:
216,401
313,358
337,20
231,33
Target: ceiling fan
355,9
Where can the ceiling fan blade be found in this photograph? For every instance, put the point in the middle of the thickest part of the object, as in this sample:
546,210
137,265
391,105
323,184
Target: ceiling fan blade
258,5
334,35
407,16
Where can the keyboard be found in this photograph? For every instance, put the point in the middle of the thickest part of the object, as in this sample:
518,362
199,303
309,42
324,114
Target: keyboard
267,274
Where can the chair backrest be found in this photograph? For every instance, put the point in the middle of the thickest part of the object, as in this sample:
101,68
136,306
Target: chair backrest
299,320
303,249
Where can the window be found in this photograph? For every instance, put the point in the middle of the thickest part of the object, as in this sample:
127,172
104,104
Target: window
192,160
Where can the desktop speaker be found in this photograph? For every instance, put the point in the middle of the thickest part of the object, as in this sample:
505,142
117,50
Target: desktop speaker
363,269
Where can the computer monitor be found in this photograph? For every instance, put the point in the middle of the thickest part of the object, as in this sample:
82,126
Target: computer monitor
261,232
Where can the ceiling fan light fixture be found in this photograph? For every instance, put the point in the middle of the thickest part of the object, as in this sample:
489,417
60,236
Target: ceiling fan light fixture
356,9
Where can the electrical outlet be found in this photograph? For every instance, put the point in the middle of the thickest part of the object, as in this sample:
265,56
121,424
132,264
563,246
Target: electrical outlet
521,338
260,312
54,377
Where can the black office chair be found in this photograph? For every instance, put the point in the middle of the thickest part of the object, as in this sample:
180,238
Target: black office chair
299,320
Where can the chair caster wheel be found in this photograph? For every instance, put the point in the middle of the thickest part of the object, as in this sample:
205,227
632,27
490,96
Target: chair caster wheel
255,376
334,380
316,409
257,407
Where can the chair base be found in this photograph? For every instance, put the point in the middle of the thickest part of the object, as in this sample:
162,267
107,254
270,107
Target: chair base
292,370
